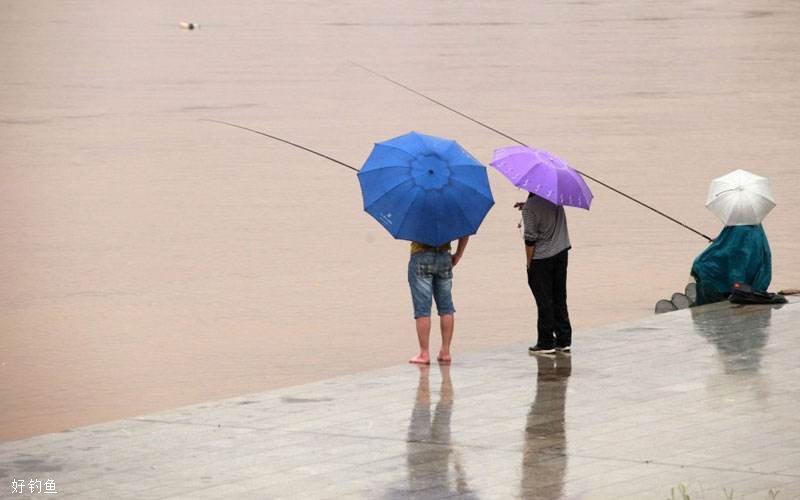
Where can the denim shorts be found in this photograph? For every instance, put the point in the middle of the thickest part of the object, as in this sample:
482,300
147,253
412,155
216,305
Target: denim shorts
430,275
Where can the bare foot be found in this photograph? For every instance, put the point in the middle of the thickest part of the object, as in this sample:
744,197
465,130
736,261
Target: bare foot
444,358
421,359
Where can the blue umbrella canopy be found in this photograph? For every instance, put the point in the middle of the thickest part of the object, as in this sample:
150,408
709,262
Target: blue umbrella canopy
425,188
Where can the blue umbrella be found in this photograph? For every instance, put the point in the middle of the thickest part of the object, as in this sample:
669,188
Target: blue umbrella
425,188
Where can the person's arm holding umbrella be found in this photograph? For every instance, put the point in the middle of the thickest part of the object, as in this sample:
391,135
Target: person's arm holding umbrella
462,245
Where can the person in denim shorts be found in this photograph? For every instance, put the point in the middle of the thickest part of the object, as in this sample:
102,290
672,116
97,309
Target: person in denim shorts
430,277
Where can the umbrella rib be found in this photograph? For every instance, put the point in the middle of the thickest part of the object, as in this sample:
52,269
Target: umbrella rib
421,142
403,220
453,179
365,174
461,150
457,200
518,153
383,144
388,191
467,165
717,195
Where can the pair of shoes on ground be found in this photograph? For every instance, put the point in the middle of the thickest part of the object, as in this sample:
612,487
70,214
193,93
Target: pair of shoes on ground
551,350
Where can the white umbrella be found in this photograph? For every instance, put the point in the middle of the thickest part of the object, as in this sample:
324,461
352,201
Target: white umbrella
740,198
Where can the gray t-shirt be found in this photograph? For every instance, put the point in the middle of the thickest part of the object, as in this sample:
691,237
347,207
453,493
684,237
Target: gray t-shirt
545,226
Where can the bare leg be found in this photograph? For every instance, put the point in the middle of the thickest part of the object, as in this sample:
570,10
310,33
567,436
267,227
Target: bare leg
423,335
446,323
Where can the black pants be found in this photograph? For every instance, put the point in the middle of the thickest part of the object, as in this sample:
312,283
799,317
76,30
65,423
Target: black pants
548,281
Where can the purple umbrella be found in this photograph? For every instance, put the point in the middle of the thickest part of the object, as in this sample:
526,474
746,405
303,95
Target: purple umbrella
543,174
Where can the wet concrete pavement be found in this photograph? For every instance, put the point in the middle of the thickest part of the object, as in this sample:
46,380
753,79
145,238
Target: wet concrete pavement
707,398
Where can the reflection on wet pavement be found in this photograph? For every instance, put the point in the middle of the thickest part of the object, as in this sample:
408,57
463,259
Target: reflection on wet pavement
544,459
430,453
706,397
739,337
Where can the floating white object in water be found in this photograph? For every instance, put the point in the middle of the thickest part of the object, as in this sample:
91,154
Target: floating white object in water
189,26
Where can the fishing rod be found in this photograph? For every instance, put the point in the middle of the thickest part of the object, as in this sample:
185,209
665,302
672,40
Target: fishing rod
283,141
523,144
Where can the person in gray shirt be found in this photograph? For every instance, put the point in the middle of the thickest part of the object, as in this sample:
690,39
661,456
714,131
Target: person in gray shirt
546,249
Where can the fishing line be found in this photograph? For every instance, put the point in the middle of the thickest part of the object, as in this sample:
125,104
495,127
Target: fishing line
283,141
523,144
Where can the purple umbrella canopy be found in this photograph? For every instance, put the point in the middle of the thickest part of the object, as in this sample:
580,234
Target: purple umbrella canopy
543,174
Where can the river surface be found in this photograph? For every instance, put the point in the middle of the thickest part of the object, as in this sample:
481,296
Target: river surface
151,260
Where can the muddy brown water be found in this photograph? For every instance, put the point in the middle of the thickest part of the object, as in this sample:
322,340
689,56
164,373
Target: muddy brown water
150,260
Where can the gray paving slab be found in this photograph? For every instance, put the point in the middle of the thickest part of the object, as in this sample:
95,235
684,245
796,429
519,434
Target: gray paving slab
706,398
